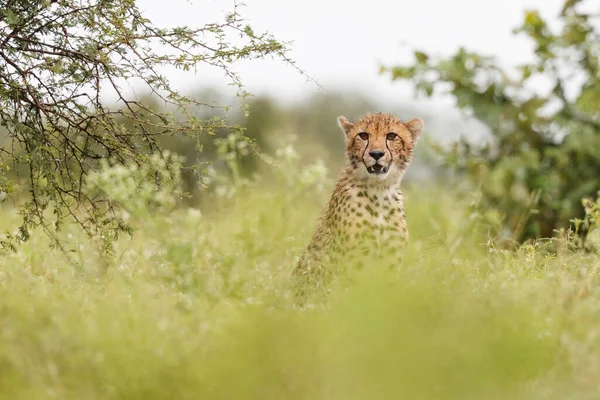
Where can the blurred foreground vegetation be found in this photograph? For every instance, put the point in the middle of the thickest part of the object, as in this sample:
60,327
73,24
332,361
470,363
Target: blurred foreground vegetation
197,305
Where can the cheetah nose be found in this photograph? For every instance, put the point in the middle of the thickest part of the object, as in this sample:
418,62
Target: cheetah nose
376,154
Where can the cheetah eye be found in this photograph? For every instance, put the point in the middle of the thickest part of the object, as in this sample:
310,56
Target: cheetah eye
391,136
364,135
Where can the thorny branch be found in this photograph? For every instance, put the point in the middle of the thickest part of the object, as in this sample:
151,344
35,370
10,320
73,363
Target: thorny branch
59,59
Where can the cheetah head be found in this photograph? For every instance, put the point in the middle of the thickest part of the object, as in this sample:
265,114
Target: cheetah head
380,146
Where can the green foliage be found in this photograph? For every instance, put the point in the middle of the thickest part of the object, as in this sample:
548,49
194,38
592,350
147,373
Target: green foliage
590,224
140,190
59,62
542,158
197,305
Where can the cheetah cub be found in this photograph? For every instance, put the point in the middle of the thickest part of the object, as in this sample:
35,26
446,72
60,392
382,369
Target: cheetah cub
365,216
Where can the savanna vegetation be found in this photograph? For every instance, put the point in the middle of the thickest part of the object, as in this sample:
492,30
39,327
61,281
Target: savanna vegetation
543,118
193,301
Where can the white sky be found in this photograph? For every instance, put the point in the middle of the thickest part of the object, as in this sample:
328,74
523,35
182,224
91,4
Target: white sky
342,43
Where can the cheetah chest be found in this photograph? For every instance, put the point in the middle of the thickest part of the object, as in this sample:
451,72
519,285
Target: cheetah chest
370,219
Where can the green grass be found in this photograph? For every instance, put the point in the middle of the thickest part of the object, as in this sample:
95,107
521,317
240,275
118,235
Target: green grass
197,306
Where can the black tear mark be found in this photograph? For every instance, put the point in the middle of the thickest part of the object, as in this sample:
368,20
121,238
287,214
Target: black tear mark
391,154
364,151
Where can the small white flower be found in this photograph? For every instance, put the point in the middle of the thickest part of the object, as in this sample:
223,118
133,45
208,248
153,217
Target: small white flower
3,195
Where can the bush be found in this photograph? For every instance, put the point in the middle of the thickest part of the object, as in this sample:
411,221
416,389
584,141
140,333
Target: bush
59,62
541,160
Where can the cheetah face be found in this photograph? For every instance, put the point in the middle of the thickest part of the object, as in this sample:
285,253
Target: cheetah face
380,146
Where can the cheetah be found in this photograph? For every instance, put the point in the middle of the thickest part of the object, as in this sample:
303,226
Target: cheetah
364,219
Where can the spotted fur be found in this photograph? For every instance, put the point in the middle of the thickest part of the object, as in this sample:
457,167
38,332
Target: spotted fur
364,219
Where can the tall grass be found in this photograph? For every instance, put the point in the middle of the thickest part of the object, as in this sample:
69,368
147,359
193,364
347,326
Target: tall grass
197,305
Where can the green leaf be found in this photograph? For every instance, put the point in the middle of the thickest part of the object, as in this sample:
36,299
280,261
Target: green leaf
525,72
421,57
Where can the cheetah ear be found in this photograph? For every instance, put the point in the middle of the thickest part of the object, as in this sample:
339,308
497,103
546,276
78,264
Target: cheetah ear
415,126
345,124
